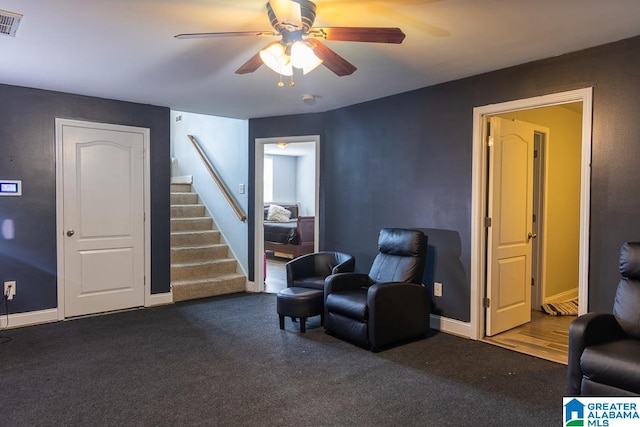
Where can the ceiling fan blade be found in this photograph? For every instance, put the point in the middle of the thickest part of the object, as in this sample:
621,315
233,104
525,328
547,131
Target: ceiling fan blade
225,34
251,65
360,34
331,60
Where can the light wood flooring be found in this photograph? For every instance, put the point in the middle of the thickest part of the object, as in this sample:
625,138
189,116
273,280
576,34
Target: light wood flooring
276,279
546,336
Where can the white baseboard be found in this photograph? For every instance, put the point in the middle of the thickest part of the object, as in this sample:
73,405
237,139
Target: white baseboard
450,326
252,287
18,320
562,297
442,324
160,299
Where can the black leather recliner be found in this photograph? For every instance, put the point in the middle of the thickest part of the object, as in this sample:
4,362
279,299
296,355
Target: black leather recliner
390,304
604,349
310,270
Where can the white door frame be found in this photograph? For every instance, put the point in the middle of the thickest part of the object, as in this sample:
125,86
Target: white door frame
258,273
539,244
60,206
479,192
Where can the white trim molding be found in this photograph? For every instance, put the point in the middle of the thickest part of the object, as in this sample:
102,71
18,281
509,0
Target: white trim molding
258,274
30,318
450,326
478,197
159,299
562,297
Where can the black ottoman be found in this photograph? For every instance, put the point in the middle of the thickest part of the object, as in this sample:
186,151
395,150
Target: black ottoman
302,303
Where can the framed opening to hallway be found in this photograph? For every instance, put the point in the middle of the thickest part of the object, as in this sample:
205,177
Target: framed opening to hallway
479,196
259,247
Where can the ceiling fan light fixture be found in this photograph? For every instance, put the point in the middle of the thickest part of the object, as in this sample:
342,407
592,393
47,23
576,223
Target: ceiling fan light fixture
302,56
293,20
275,57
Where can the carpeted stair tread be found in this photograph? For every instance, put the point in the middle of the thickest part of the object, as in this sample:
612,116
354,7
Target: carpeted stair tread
198,252
181,188
203,270
194,238
193,264
220,278
193,232
220,285
189,224
184,198
188,211
202,246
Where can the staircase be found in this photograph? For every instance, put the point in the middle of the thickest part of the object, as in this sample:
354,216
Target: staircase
200,263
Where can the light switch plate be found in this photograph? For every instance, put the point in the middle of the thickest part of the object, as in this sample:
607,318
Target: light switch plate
437,289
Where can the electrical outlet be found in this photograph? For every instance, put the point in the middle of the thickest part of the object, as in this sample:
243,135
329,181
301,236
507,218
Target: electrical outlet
10,289
437,289
241,188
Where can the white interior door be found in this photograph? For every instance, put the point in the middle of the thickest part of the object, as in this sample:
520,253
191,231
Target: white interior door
509,237
103,217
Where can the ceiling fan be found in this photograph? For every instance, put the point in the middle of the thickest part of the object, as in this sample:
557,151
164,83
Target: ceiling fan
300,46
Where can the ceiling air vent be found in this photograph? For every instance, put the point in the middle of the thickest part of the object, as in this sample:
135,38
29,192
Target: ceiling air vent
9,22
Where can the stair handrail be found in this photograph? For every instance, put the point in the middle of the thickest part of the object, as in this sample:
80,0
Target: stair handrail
223,188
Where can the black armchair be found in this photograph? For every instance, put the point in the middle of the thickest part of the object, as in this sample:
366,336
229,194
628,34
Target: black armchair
604,349
309,271
387,306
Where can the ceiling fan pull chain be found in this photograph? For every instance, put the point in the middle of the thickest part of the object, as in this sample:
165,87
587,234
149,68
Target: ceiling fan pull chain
292,83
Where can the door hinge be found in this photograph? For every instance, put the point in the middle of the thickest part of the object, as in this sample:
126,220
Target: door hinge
533,281
534,218
487,222
490,141
535,154
486,303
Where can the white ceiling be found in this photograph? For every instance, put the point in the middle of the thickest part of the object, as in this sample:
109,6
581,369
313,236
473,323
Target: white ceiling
125,49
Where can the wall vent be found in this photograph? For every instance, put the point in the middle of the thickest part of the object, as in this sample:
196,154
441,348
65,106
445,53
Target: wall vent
9,22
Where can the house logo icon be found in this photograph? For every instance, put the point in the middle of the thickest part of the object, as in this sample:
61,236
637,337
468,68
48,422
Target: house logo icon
574,413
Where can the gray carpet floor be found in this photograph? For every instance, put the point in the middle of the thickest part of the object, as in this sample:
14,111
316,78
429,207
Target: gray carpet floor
224,362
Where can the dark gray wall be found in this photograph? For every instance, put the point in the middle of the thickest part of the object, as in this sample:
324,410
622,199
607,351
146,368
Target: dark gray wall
27,142
405,161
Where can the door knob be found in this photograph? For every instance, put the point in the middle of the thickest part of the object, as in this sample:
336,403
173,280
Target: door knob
70,233
532,235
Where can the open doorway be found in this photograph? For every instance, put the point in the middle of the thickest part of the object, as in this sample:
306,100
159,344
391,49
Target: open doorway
552,229
287,176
